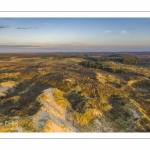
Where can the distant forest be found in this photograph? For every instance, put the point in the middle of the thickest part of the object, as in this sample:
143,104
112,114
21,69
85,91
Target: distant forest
124,58
121,58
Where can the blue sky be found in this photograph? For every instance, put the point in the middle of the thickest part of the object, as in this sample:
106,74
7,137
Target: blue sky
74,34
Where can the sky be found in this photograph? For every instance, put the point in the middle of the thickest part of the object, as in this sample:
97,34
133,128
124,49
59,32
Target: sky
74,34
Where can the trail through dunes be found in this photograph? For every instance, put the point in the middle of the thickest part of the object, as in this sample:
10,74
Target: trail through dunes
51,117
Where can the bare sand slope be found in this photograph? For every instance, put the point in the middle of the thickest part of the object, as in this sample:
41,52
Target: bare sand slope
51,117
5,86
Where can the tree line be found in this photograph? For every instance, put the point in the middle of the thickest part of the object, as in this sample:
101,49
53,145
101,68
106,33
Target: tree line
100,65
124,58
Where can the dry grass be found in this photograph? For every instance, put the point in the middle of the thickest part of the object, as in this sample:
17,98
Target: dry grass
60,100
93,90
85,118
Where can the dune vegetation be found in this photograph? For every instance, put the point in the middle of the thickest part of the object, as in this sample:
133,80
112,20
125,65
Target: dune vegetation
75,92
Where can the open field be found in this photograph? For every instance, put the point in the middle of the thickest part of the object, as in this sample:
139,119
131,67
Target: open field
75,92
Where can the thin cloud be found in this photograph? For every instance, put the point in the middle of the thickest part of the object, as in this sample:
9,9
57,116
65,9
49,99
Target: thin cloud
107,31
46,23
24,28
4,27
124,32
